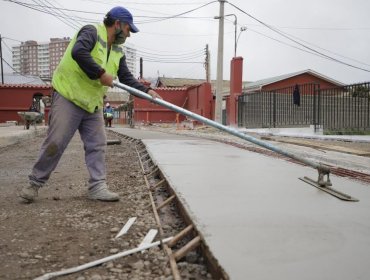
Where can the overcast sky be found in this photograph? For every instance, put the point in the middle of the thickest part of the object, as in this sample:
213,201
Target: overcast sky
339,29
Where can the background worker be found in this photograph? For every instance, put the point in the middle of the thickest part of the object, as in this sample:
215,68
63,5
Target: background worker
108,115
91,62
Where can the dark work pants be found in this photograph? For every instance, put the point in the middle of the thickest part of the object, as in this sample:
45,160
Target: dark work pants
64,120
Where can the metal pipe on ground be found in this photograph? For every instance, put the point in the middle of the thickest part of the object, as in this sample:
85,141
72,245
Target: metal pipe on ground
103,260
114,142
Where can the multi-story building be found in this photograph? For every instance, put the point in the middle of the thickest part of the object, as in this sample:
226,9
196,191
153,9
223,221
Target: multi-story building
41,59
57,48
130,53
25,58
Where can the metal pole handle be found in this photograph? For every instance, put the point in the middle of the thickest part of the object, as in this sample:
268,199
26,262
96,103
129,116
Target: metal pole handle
322,169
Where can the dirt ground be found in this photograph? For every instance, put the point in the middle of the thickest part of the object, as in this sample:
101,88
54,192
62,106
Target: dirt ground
63,229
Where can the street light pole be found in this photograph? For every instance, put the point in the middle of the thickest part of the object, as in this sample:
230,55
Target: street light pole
235,24
243,28
1,61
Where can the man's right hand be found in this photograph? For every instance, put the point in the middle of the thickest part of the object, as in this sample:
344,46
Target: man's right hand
106,80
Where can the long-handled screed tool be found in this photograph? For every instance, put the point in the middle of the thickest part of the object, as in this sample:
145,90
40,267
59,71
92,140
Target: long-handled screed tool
322,183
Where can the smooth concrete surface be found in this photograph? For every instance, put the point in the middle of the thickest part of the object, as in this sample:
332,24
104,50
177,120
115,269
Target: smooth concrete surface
259,220
333,158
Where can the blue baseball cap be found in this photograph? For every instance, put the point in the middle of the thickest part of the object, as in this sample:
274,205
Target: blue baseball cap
123,15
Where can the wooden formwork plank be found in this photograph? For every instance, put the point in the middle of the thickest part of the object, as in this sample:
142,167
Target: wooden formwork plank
191,245
180,235
159,184
152,172
167,201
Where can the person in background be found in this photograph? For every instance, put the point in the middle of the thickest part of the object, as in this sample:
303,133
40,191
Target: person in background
93,59
108,115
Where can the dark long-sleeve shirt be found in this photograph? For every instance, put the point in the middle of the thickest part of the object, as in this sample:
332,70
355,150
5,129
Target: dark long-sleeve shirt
81,53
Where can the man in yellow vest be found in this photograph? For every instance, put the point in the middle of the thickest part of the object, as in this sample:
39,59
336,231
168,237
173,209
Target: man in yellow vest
91,62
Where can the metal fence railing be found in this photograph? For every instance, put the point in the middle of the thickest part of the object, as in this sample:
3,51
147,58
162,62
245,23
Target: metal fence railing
346,110
278,108
341,109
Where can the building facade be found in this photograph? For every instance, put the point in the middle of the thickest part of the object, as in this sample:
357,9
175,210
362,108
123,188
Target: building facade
41,59
130,53
57,48
25,58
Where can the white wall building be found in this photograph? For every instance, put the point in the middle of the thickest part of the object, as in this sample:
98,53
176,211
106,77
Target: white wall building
130,53
43,60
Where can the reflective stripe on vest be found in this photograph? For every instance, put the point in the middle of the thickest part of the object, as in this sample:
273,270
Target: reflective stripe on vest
72,82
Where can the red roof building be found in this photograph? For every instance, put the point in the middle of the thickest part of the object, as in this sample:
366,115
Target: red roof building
16,98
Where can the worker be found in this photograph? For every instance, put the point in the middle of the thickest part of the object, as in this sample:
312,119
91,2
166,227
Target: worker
93,59
108,115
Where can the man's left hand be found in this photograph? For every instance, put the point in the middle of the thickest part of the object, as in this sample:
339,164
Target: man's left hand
153,94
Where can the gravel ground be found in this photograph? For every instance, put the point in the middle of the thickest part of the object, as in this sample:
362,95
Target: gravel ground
64,229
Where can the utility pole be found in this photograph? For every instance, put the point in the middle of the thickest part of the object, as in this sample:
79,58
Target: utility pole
207,65
1,61
220,58
141,68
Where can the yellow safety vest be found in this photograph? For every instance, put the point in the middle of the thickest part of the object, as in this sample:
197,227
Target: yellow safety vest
71,81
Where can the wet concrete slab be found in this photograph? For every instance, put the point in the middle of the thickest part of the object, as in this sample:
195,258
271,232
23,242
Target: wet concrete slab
259,220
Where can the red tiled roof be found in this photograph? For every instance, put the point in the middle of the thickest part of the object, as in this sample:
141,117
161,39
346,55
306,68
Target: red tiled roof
49,87
170,88
25,86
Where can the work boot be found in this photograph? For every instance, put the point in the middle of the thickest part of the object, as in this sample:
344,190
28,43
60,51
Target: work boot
29,193
102,193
